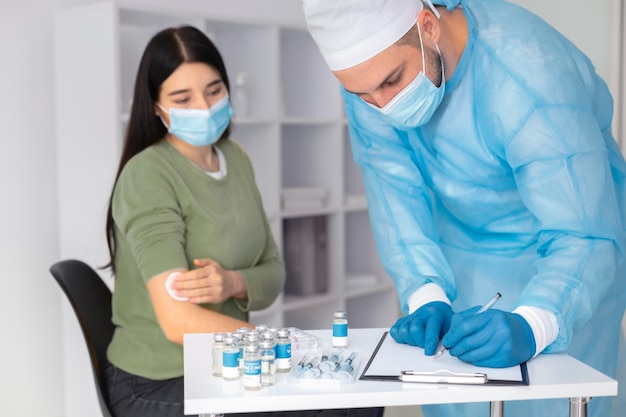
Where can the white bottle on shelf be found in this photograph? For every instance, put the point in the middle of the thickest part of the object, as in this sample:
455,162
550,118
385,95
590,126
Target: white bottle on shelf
240,96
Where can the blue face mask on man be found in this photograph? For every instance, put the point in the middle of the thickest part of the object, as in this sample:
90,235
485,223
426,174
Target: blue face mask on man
415,105
200,127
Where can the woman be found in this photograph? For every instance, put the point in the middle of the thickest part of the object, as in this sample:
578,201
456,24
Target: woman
190,244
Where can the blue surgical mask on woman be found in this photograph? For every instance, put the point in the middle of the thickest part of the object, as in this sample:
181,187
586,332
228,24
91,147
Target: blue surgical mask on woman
417,102
200,127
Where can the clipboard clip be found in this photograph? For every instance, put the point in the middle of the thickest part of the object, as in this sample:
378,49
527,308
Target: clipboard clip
444,377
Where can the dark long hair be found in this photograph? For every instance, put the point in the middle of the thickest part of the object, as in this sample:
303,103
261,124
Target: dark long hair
165,52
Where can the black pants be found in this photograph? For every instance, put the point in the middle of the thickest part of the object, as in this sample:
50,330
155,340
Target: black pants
134,396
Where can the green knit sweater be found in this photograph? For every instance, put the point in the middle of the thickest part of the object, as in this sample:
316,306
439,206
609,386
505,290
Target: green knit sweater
167,213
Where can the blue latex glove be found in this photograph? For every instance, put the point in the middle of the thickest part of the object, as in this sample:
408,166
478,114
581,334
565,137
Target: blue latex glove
494,338
450,4
424,327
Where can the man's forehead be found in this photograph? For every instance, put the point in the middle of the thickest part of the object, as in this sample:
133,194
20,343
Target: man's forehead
372,73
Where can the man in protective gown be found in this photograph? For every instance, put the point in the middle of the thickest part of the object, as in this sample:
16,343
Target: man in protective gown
484,140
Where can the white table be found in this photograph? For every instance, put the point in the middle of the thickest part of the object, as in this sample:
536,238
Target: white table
551,376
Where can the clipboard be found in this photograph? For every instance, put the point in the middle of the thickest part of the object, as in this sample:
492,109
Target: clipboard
392,361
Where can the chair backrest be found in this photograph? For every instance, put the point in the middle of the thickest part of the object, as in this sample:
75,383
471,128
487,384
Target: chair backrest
91,300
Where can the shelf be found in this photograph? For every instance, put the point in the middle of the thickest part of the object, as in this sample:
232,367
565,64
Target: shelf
367,290
316,316
271,316
252,121
355,202
359,241
321,211
312,157
353,179
374,310
297,302
303,121
261,143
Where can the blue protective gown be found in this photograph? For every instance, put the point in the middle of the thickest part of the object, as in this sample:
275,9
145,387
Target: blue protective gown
516,185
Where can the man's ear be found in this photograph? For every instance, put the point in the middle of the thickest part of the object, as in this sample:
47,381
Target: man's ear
429,24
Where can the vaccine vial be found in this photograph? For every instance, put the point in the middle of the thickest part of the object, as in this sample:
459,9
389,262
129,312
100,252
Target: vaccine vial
283,351
340,329
240,343
230,359
243,330
218,347
268,362
269,335
252,367
252,337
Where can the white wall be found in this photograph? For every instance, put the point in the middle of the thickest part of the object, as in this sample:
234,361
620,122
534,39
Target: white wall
32,374
30,310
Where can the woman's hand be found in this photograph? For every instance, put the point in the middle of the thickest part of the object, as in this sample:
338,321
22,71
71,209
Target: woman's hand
209,283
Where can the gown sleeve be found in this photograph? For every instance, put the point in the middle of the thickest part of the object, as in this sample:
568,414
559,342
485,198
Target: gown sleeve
561,167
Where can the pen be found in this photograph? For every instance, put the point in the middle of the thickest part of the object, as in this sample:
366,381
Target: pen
482,310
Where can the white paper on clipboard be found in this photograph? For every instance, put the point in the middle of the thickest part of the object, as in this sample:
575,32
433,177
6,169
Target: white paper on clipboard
391,359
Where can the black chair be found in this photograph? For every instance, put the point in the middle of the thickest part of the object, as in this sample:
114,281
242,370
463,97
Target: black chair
91,300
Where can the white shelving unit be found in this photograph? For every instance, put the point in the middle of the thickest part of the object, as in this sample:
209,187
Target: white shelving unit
294,131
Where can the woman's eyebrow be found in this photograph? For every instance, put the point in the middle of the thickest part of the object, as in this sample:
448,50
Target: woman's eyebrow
212,83
186,90
175,92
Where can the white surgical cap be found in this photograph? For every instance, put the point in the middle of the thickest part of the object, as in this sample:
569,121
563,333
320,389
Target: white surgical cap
349,32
